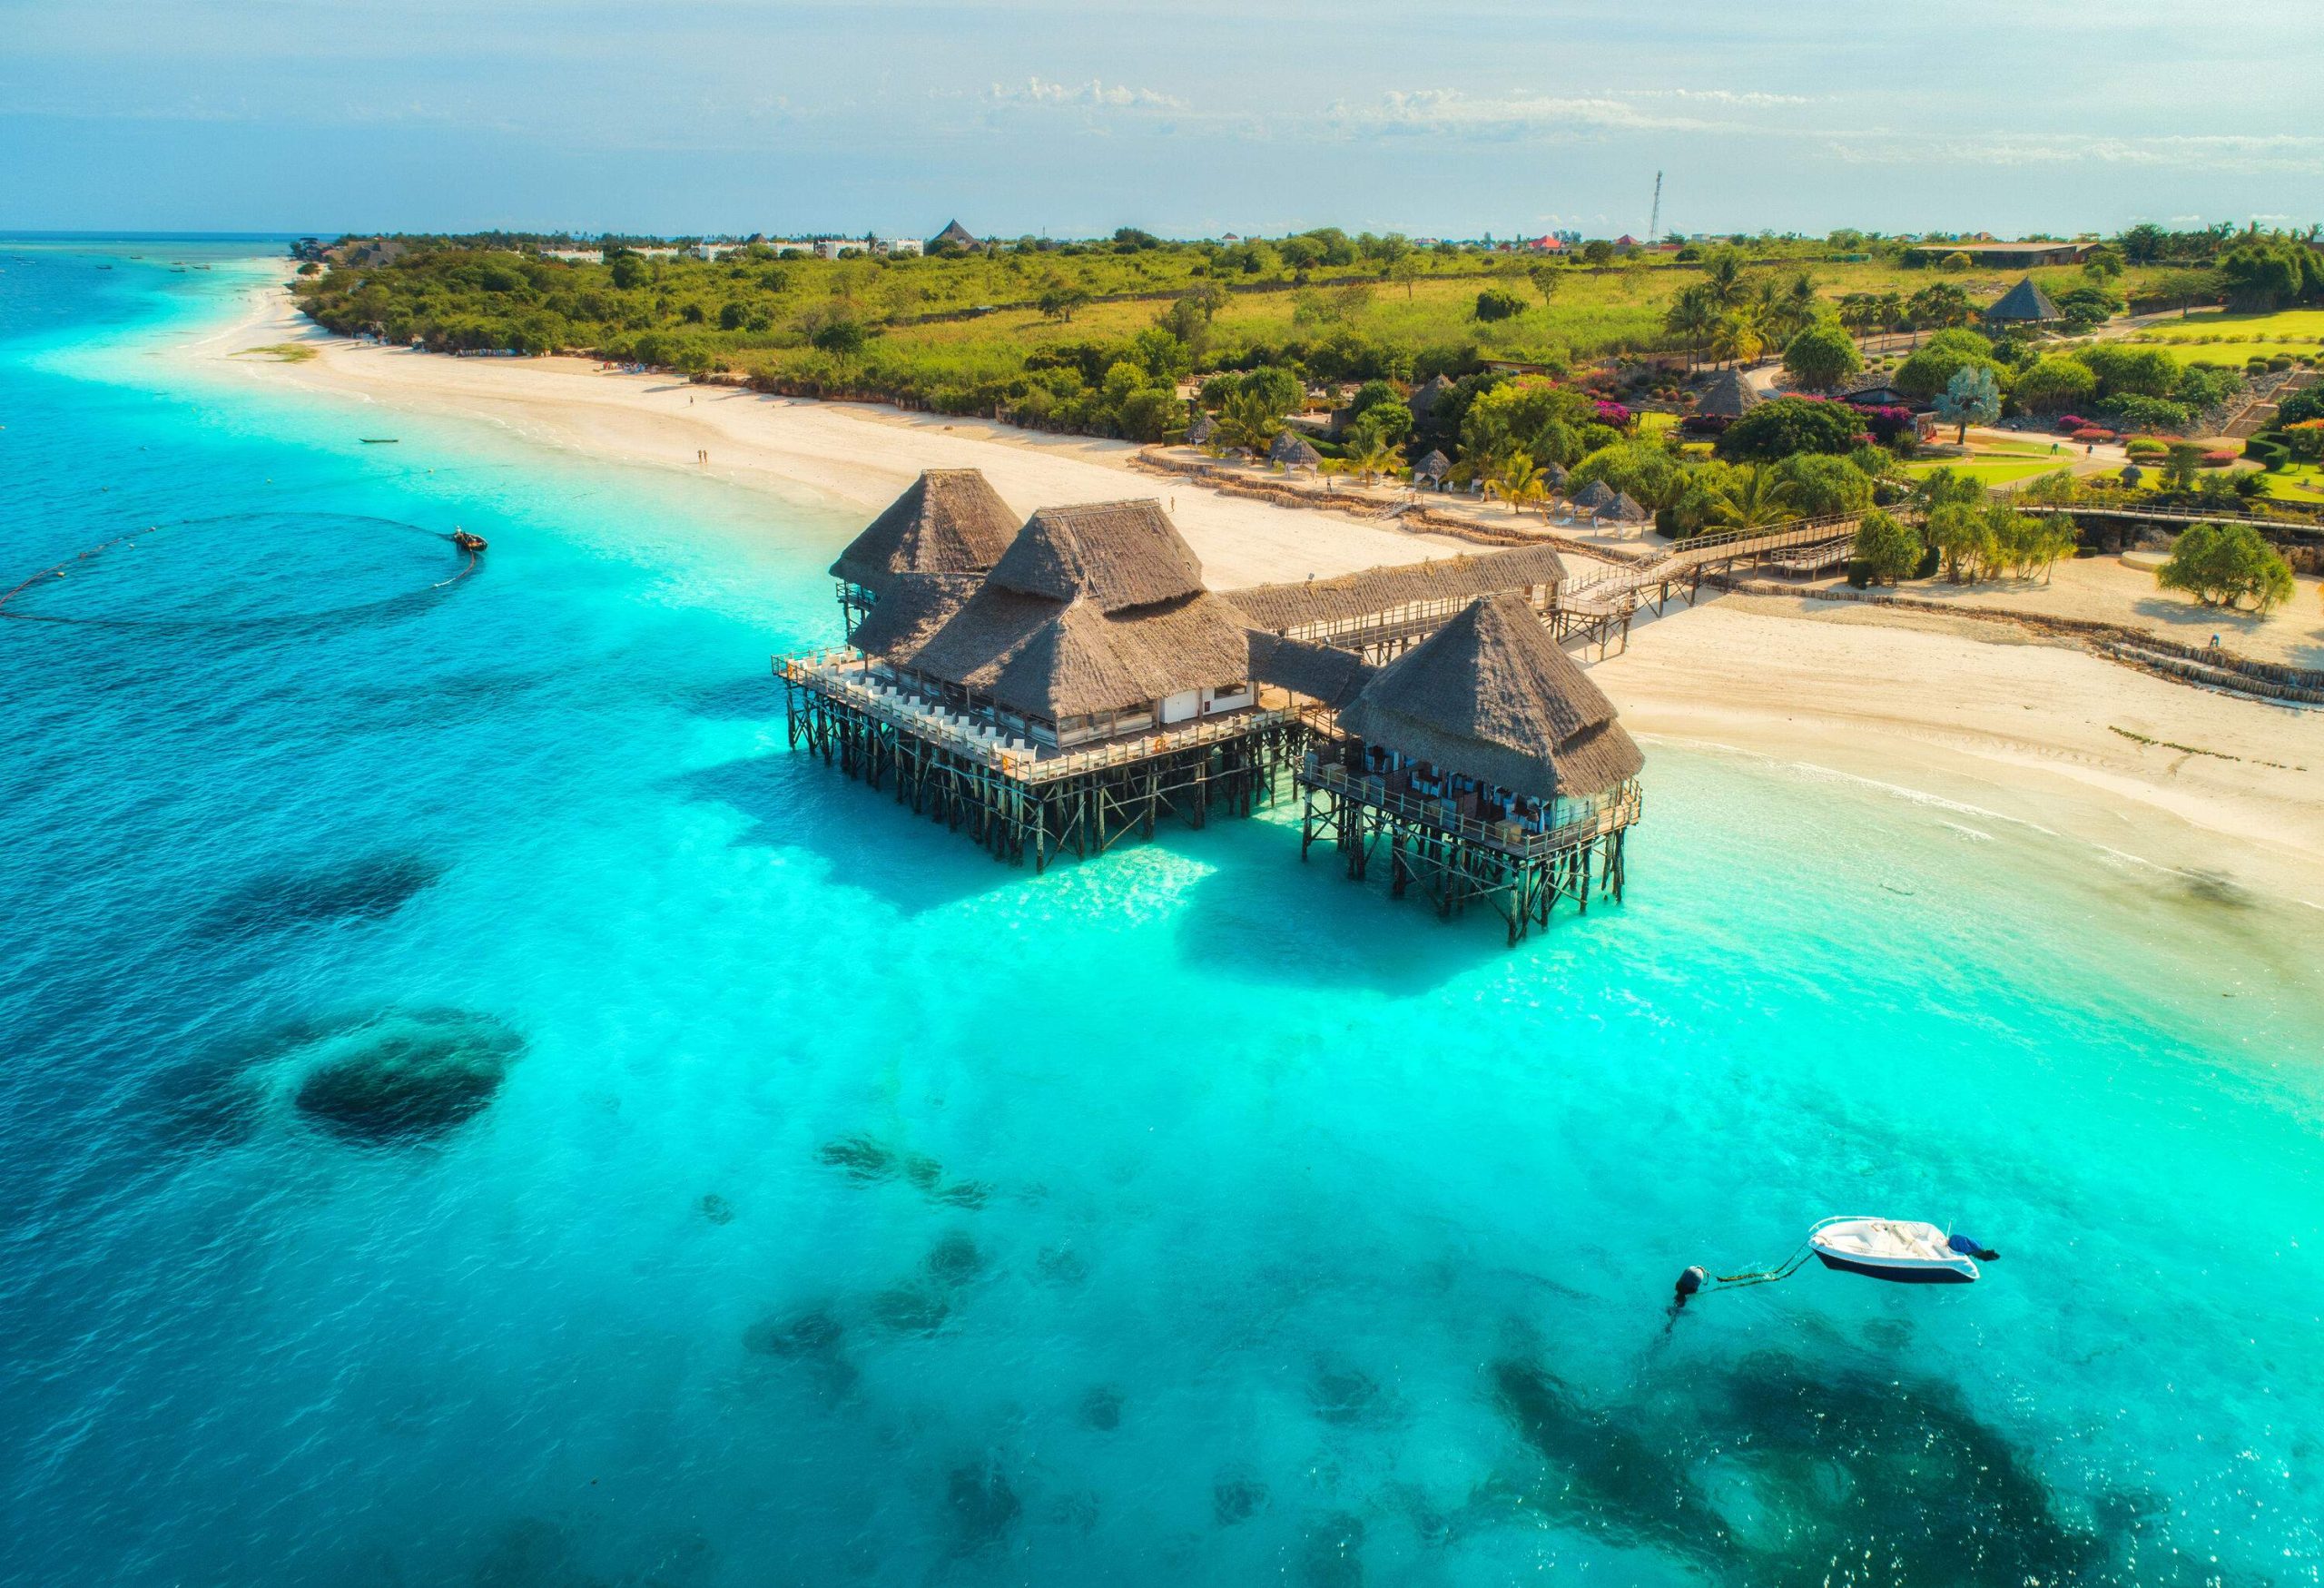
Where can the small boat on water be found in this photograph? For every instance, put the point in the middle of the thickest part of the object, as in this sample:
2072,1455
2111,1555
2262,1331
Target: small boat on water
1905,1251
379,440
467,542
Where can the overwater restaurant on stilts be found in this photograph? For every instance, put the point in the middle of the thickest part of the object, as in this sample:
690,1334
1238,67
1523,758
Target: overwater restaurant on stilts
1488,768
1062,685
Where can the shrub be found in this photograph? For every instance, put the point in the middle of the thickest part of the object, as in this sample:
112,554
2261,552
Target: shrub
2133,412
1885,550
2145,446
1494,303
2055,382
2092,433
2226,564
1777,429
2220,459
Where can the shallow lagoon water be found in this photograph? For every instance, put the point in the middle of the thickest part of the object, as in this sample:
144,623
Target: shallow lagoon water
848,1207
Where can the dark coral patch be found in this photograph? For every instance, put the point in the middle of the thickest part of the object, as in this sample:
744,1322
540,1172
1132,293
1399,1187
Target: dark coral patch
408,1076
1101,1408
984,1506
954,1259
364,889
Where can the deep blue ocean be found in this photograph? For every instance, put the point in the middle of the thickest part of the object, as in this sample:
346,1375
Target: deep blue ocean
779,1190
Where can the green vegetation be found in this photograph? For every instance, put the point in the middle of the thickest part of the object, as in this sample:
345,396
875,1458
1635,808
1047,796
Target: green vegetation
1885,551
2227,564
1031,329
281,352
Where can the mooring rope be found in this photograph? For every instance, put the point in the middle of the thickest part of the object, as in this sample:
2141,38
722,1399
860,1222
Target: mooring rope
1783,1271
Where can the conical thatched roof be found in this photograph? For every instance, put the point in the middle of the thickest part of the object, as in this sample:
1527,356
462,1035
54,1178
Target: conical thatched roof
1435,465
1093,609
1554,474
948,521
955,233
1200,430
1114,554
2025,303
1425,397
1623,508
1291,448
1727,396
912,607
1594,498
1491,696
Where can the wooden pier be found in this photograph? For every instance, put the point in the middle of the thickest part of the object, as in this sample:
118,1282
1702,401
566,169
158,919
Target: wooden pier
1456,860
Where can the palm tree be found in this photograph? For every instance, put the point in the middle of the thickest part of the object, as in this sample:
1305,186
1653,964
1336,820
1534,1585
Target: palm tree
1246,420
1693,314
1759,497
1371,455
1725,279
1517,481
1737,337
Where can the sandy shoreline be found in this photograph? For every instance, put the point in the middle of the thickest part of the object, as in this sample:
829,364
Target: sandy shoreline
1974,713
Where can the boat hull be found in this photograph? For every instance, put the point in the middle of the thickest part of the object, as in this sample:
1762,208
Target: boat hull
1900,1273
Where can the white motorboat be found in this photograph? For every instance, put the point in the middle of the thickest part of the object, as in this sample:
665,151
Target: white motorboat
1904,1251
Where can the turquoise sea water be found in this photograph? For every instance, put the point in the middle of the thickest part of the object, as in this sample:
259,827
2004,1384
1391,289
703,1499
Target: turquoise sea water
850,1208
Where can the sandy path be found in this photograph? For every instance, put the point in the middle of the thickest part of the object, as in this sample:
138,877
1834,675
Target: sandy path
1976,713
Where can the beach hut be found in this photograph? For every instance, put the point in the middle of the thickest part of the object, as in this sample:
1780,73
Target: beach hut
1424,397
2026,305
1201,430
954,235
1623,509
1431,470
1494,765
1084,688
1093,624
1290,450
1722,399
1592,498
949,524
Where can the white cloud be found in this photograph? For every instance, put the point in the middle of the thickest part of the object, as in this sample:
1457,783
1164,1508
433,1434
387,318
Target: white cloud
1115,96
2237,151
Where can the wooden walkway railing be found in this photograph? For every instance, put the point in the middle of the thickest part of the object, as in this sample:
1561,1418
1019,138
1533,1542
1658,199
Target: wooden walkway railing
1622,811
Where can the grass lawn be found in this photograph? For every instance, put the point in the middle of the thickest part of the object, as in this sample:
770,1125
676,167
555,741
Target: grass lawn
2220,337
2303,484
1991,470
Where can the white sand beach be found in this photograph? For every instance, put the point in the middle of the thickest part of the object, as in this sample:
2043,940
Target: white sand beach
1980,713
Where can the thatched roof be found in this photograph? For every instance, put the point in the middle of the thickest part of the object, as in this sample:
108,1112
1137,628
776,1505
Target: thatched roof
1281,608
1435,465
1291,448
1323,673
1491,696
948,521
2025,302
1115,554
1594,498
1623,509
953,233
1092,608
1423,397
1200,430
1727,396
912,607
1554,474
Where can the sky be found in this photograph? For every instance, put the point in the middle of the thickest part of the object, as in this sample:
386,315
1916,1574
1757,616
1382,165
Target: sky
1190,118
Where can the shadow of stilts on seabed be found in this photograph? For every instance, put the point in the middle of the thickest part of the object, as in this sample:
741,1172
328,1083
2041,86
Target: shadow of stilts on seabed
1262,916
865,839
